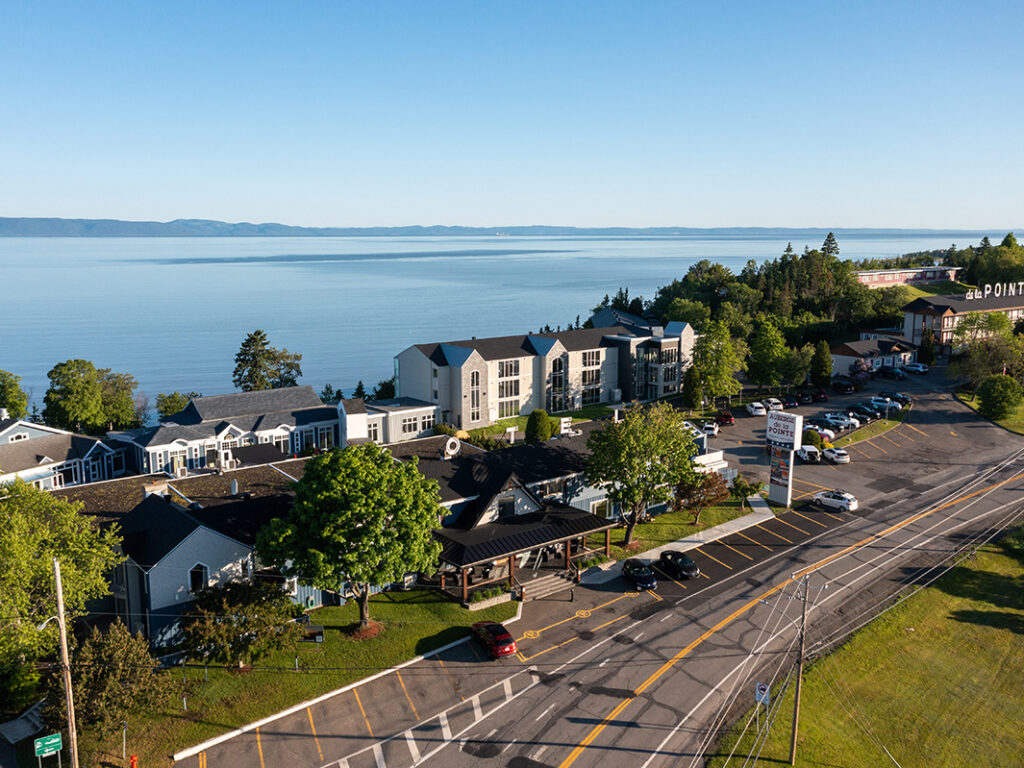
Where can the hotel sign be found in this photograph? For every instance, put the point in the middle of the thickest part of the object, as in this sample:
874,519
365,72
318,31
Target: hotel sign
997,290
784,430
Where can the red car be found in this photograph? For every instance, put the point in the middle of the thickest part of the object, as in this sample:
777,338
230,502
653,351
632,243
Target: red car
495,638
821,396
725,418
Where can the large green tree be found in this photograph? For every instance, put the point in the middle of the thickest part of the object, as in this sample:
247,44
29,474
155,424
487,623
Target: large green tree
540,426
74,400
259,366
360,519
984,344
35,528
385,390
797,364
695,313
12,396
926,352
641,459
117,397
175,402
699,491
716,362
767,355
998,396
692,392
821,365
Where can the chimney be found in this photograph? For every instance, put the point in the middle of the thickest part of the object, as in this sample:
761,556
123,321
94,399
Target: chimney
234,487
4,414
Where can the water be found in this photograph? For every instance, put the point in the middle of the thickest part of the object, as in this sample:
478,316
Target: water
173,311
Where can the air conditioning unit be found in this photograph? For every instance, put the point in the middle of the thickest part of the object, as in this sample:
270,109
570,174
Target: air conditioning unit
181,472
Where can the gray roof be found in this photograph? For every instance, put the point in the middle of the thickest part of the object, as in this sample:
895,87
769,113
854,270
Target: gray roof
398,404
866,348
960,304
164,434
154,528
6,424
221,407
26,454
608,317
456,353
354,405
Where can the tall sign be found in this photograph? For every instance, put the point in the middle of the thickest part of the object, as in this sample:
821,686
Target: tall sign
784,433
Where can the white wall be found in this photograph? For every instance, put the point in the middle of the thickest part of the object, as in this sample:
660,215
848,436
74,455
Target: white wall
169,579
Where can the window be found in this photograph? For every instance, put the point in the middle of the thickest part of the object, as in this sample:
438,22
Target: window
508,388
508,408
669,356
592,359
600,508
591,396
556,395
506,507
19,436
508,369
436,397
282,442
229,443
428,421
474,396
325,437
592,378
308,440
410,425
245,568
198,578
373,431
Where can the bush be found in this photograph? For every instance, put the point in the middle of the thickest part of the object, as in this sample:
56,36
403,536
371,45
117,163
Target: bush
591,561
811,437
998,395
539,427
486,594
444,429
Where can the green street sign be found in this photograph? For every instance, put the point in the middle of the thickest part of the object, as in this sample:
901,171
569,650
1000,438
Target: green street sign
47,745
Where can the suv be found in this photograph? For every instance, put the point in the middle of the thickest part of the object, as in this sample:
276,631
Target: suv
842,386
756,409
889,372
773,404
725,418
789,401
837,499
898,397
916,367
640,574
809,455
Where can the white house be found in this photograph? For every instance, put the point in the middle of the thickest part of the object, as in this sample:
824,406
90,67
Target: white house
51,458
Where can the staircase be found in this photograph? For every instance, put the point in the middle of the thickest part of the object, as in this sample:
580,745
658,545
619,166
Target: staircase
542,586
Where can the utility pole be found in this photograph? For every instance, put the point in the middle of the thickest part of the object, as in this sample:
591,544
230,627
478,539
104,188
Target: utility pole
799,677
65,667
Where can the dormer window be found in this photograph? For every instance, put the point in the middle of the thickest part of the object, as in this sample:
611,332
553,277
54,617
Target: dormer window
506,507
19,436
198,578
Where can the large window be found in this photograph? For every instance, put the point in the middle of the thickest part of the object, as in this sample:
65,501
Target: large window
508,408
474,396
592,396
410,425
373,431
325,437
556,395
508,389
669,356
428,421
592,378
600,508
508,368
592,358
283,443
198,578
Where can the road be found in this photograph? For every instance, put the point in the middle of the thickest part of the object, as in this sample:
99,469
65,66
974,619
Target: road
646,679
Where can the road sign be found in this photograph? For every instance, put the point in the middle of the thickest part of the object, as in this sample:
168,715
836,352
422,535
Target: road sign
47,745
761,694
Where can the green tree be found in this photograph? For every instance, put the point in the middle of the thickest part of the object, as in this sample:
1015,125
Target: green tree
1009,241
175,402
797,364
539,426
641,459
329,394
926,352
767,355
695,313
812,437
360,518
35,528
821,365
830,247
259,366
716,362
74,400
287,369
998,396
240,622
385,390
699,491
117,396
742,489
12,396
984,343
360,391
693,390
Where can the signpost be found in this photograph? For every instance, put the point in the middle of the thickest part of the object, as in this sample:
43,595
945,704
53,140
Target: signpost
784,433
47,746
761,696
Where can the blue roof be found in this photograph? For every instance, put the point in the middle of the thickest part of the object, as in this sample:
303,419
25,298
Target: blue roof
455,355
541,344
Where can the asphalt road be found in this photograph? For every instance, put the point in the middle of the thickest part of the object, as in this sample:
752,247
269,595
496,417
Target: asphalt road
644,679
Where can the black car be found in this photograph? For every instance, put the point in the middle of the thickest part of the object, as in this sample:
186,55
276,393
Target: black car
805,396
788,401
869,409
842,386
889,372
899,397
677,565
861,414
640,573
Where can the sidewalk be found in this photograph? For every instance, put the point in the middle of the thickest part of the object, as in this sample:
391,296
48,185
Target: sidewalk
761,512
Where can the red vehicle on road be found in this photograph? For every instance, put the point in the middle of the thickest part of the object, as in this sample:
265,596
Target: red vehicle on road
725,418
495,638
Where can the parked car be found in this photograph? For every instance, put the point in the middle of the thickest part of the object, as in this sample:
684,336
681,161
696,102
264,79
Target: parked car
842,386
898,397
916,368
820,396
836,455
495,638
805,396
837,499
870,409
640,574
789,401
890,372
837,422
809,455
725,418
862,416
756,409
881,402
773,404
710,428
821,429
677,565
849,422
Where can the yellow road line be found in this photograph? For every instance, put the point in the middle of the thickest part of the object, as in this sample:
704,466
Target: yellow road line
363,711
715,559
804,495
813,485
740,533
596,731
407,696
736,551
858,450
259,747
202,759
618,618
315,737
834,517
805,533
886,437
905,435
811,519
656,596
911,426
450,679
552,648
563,621
668,577
773,533
873,445
472,647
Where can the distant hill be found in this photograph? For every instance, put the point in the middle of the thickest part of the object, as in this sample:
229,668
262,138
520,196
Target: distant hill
42,227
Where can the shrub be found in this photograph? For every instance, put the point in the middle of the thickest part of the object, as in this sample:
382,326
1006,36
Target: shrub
811,437
999,395
486,594
444,429
539,427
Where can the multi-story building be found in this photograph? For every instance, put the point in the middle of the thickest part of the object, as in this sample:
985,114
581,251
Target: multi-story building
51,458
883,278
941,314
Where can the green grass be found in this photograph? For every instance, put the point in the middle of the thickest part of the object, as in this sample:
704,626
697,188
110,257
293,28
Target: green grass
413,623
586,413
937,289
668,527
1013,422
937,680
874,429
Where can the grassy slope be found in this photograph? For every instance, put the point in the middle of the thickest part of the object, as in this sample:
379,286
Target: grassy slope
874,429
414,622
937,680
586,413
1014,422
937,289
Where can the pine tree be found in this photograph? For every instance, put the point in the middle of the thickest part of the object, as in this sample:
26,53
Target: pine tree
830,247
360,391
767,355
821,365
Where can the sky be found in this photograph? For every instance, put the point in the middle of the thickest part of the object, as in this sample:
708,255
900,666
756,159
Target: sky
698,114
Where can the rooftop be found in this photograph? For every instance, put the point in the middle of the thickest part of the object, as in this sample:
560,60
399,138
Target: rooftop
506,347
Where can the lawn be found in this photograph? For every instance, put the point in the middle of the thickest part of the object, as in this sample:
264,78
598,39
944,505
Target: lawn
1014,422
586,413
937,680
937,289
874,429
669,527
413,623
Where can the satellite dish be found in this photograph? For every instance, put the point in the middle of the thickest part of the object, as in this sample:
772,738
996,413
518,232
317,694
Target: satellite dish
451,447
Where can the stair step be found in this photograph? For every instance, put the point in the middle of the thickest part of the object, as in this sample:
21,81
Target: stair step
546,585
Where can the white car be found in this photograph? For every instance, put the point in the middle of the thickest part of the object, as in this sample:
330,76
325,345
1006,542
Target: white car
809,455
837,421
916,367
846,420
756,409
826,434
711,428
881,403
774,404
836,455
841,500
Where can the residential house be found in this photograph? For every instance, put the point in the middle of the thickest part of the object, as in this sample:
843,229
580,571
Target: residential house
51,458
871,354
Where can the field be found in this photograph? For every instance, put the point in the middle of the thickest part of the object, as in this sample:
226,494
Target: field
1014,422
936,681
937,289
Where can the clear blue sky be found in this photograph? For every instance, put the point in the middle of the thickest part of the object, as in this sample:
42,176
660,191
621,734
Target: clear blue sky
758,113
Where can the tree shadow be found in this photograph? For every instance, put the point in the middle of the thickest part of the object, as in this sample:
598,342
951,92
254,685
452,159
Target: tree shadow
442,638
995,619
989,587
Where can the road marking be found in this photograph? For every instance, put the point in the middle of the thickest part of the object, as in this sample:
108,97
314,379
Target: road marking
446,730
378,756
472,647
508,685
858,450
315,737
659,570
259,747
407,696
740,533
665,618
736,551
811,519
617,618
596,731
538,717
552,648
477,711
886,437
202,759
365,718
450,679
535,633
873,445
638,637
952,433
656,596
813,485
602,663
715,559
539,752
414,750
509,744
773,533
911,426
904,434
834,517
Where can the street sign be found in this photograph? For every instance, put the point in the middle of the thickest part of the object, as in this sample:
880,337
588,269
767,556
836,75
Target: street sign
761,694
47,745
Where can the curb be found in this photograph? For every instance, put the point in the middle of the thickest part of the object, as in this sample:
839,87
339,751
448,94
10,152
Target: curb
896,424
195,750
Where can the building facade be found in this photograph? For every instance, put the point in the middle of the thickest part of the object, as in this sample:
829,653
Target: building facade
51,458
883,278
940,315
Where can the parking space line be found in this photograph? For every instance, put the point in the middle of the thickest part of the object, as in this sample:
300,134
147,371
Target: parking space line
904,434
804,495
408,698
834,517
316,739
259,747
618,618
911,426
858,450
450,680
792,526
736,551
414,749
715,559
363,711
740,533
552,648
886,437
811,519
874,445
773,533
472,647
668,577
813,485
